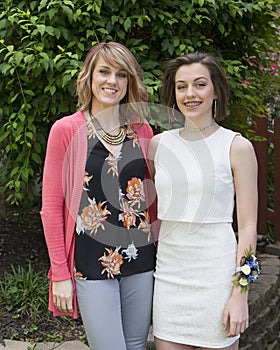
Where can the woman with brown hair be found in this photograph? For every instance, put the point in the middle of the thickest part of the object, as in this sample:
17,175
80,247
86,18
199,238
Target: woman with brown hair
202,273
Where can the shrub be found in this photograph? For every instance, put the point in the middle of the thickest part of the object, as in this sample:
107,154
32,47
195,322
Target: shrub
44,42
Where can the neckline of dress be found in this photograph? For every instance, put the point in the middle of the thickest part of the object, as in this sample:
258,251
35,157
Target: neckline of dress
197,140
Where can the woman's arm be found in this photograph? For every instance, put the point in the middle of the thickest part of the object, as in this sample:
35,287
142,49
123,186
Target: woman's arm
52,212
244,169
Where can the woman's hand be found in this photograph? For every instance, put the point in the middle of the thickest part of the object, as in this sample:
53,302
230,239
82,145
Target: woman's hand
63,295
236,313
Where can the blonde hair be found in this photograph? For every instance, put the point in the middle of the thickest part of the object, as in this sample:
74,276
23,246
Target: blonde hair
118,56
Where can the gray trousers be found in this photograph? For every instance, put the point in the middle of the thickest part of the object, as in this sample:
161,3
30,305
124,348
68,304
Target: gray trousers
116,313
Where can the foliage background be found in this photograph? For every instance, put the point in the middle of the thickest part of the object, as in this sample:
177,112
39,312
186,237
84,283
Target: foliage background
44,42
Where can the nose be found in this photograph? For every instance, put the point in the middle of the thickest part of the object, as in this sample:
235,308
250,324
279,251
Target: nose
112,78
190,91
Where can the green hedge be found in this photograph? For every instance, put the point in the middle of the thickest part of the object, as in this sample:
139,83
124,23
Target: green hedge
43,44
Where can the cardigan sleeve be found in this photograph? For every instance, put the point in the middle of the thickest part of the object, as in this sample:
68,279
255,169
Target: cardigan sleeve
52,212
145,133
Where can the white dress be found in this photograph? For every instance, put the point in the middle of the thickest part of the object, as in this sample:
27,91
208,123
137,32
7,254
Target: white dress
197,247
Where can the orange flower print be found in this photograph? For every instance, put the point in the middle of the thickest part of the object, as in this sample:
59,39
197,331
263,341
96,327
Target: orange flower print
87,179
79,275
135,191
128,214
145,225
93,216
131,135
112,162
90,130
111,262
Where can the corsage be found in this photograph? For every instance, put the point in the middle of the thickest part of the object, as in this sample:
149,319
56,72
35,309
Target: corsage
248,271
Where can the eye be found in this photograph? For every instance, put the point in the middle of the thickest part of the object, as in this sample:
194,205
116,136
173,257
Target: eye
181,86
104,71
201,84
122,74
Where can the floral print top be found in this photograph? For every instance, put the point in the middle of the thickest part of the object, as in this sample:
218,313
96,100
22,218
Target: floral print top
113,230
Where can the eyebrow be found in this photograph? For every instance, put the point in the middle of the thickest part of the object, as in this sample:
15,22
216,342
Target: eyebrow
108,67
182,81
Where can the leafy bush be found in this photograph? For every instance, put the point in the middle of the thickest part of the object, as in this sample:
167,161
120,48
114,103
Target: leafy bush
24,292
44,42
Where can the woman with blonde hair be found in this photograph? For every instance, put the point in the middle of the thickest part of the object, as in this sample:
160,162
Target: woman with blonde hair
96,212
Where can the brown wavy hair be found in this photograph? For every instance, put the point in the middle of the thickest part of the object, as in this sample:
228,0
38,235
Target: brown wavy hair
118,56
219,81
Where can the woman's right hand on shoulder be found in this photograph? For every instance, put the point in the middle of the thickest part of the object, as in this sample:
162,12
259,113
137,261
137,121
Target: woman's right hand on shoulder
63,295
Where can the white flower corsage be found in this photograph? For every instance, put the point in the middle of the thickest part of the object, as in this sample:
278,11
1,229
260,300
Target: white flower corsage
248,271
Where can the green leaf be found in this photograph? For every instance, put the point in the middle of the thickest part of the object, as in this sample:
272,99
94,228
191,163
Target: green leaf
97,8
29,92
221,28
36,158
81,46
66,79
102,30
17,184
45,56
37,147
127,24
29,59
14,97
14,171
25,174
52,90
45,64
41,29
140,22
176,41
10,48
18,56
114,19
4,136
4,67
29,135
43,3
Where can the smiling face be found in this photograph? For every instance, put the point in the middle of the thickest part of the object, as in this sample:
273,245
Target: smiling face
194,92
109,85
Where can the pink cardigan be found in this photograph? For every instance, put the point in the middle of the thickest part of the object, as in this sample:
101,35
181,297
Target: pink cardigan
62,188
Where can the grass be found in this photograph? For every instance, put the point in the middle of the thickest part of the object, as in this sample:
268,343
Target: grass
24,299
24,292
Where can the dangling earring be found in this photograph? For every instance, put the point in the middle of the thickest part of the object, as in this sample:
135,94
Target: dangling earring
173,114
214,108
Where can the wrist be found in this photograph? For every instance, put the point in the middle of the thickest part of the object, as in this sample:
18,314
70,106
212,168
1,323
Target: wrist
238,291
248,271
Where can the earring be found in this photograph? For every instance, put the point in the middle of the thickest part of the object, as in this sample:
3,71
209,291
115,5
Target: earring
214,108
173,108
174,114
